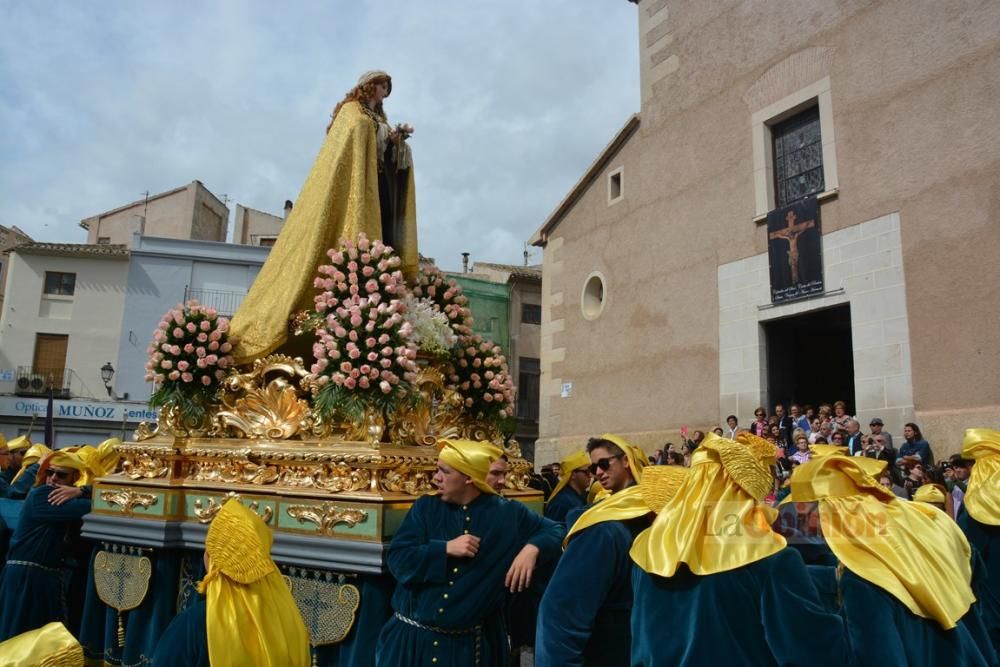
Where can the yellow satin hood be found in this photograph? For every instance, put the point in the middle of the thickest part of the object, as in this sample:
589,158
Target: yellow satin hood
250,614
659,484
636,457
470,458
913,551
578,459
982,499
51,645
714,522
20,442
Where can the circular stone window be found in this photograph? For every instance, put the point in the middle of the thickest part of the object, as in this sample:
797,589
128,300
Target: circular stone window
593,297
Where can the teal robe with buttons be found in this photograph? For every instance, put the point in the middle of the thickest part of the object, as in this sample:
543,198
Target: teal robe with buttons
764,613
457,595
31,592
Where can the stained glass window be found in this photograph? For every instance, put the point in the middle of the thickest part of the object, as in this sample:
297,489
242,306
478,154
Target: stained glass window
798,157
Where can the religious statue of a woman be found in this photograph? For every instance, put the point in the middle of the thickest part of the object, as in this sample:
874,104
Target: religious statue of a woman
362,181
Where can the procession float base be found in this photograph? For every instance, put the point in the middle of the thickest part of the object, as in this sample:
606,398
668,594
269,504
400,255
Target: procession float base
334,495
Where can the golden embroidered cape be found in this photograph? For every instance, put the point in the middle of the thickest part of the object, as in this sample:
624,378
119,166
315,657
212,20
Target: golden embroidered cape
338,200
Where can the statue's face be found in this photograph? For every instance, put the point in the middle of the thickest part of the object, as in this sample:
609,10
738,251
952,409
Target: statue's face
381,92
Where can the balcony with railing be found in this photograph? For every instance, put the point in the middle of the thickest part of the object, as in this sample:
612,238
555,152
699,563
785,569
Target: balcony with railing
226,303
32,381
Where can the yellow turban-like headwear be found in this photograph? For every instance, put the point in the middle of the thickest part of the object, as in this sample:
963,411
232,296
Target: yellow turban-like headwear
250,614
578,459
101,460
714,522
34,454
982,499
62,458
20,442
932,494
659,484
913,551
636,457
471,458
51,645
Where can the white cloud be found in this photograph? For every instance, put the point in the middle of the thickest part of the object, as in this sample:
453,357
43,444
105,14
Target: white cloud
511,101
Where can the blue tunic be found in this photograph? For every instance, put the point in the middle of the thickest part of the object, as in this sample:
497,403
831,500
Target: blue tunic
20,488
185,641
31,592
462,596
765,613
562,503
985,539
585,613
884,632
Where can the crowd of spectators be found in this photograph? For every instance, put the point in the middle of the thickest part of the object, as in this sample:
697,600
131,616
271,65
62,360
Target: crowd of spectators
910,458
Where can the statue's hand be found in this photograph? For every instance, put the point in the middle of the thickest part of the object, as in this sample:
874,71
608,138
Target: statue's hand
404,130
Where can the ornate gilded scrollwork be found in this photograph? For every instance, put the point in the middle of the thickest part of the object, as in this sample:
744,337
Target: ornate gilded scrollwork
332,478
206,513
233,471
128,500
437,415
405,479
145,462
264,402
327,515
146,431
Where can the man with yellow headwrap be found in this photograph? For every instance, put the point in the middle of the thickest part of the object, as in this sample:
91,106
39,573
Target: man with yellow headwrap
248,616
25,478
715,585
31,592
906,564
452,557
979,517
571,491
16,450
585,613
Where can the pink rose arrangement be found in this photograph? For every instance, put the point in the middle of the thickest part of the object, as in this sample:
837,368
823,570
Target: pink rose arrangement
188,358
446,294
364,357
478,372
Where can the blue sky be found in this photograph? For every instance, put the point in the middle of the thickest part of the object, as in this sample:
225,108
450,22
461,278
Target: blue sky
511,101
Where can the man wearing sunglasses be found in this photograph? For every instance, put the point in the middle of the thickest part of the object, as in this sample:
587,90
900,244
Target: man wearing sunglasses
614,462
590,626
31,592
452,558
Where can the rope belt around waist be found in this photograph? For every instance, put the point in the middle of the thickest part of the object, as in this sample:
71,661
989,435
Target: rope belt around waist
443,631
475,630
28,563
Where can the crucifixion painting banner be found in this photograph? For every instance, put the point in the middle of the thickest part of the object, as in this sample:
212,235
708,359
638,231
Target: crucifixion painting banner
795,251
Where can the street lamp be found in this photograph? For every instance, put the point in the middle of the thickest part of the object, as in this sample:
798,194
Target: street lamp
107,372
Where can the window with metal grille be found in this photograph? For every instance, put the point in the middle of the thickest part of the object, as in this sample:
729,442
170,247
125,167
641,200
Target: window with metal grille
528,387
798,157
57,282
